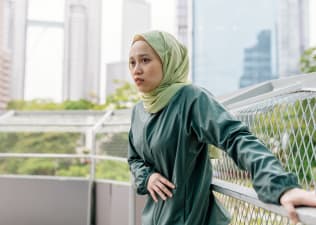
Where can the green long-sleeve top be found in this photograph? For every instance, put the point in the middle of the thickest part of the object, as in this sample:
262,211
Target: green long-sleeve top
174,142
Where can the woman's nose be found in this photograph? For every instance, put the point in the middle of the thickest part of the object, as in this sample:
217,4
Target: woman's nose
138,69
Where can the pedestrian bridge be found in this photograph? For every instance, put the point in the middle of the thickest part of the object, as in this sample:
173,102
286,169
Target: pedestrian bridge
91,185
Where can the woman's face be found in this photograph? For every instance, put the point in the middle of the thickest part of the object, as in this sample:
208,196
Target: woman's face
145,66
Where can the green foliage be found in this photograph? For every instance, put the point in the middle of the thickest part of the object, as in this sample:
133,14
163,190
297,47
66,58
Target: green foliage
124,97
65,143
37,167
302,140
36,104
297,121
115,144
38,142
113,170
44,104
82,104
308,61
74,170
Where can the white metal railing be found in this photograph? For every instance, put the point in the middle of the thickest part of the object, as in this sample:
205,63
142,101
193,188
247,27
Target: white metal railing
61,156
241,196
285,122
92,157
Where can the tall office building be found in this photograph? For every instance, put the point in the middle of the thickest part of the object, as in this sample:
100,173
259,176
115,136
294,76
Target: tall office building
223,29
257,61
292,34
4,59
57,45
81,76
182,21
16,11
136,18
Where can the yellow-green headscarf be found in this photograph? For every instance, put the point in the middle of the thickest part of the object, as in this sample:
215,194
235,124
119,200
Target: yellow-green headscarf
175,65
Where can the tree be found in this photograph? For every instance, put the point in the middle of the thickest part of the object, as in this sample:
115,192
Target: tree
308,61
124,97
289,131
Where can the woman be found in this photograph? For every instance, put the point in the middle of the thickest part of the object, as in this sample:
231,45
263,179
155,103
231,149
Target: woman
170,131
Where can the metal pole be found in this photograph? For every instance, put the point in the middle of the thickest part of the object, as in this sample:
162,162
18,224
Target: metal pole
132,204
90,144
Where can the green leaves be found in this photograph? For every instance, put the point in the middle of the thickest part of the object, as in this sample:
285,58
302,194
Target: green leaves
124,97
308,61
68,143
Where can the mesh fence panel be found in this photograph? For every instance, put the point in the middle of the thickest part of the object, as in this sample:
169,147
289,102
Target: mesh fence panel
112,144
286,124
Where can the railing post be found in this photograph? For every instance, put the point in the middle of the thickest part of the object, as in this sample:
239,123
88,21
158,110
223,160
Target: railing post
90,144
132,204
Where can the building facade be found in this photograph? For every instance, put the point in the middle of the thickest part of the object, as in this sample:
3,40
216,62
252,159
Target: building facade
182,21
5,60
4,78
136,18
292,34
257,61
81,76
223,29
53,39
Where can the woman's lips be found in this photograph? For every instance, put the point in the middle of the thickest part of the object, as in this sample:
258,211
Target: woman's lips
139,81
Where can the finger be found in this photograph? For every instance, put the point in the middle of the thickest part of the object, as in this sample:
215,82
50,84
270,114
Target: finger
159,192
153,195
291,212
164,189
166,182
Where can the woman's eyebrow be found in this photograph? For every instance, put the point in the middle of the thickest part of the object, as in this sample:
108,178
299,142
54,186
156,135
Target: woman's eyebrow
144,55
138,56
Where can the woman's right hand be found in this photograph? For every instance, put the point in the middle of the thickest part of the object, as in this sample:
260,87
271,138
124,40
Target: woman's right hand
157,184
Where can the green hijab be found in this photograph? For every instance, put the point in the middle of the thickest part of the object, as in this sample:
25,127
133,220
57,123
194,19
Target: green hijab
175,63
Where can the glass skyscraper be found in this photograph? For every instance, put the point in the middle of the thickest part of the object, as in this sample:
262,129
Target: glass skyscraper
232,37
257,61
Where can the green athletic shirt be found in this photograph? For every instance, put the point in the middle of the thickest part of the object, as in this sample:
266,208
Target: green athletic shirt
174,142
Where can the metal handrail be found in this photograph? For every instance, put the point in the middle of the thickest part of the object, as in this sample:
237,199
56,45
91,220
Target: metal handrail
307,215
61,156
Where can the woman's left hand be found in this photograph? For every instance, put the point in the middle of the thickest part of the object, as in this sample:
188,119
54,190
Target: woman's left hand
297,197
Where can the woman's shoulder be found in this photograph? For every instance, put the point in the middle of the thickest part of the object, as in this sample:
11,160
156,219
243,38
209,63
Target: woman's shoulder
193,91
138,107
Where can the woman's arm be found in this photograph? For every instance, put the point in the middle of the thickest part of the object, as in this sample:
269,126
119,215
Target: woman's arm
138,167
214,125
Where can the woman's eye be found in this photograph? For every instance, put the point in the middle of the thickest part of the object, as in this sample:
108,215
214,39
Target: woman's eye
145,60
131,63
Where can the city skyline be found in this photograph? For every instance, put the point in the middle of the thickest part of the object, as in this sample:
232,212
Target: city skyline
111,49
161,12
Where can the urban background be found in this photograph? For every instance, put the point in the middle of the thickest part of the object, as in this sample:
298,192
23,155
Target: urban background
63,69
72,55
